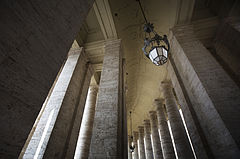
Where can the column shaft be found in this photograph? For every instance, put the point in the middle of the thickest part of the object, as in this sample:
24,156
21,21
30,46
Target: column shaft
106,136
182,145
198,138
135,138
166,141
213,94
147,140
141,143
85,135
56,133
157,149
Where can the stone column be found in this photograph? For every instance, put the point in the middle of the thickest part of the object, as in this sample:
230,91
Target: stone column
85,135
147,139
182,144
135,138
129,144
198,138
58,127
213,93
141,143
107,134
166,141
157,149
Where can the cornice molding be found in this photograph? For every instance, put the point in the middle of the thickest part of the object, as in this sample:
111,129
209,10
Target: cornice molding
105,19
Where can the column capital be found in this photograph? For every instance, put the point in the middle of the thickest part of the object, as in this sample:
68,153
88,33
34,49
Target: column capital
75,51
135,135
141,129
93,88
166,84
166,88
158,102
113,42
153,115
180,28
183,32
146,122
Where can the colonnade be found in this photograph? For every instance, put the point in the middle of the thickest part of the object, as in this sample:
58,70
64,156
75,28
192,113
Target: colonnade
81,120
160,144
206,93
163,133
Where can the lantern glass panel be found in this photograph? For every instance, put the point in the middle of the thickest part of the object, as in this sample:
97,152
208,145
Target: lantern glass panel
158,55
153,54
150,57
160,52
165,53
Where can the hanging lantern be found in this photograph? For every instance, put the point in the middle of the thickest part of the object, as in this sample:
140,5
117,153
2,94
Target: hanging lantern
131,146
156,47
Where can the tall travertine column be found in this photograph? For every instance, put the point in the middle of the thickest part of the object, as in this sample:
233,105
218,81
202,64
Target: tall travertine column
212,92
147,139
166,141
107,135
85,135
58,127
129,144
135,138
141,143
182,144
157,149
198,138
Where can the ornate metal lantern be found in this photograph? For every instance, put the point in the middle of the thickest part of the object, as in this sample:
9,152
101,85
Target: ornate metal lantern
156,47
131,146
